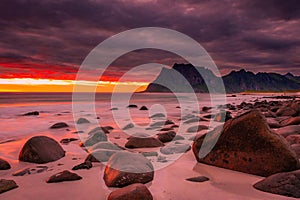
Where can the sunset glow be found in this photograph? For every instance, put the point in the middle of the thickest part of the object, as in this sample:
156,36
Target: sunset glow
49,85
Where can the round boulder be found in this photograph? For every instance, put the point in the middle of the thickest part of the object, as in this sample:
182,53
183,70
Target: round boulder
125,168
286,184
41,149
247,144
4,165
135,191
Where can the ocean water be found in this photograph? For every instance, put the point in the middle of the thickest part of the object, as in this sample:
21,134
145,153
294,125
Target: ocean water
57,107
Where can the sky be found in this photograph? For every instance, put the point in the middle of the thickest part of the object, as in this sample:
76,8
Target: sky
46,39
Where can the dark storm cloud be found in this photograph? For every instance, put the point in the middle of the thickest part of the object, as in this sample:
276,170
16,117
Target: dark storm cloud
252,34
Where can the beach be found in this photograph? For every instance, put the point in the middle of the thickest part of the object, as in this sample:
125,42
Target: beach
170,176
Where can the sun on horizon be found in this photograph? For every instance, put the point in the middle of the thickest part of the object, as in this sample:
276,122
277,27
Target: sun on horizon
55,85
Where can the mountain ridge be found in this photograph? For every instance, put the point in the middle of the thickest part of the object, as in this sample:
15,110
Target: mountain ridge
188,78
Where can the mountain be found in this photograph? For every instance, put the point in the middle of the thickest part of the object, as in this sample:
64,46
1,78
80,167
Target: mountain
292,77
186,78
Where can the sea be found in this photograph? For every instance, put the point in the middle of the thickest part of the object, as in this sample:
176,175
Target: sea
102,109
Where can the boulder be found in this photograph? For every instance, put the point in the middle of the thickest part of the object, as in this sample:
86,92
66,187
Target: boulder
296,149
166,136
140,142
4,165
286,111
125,168
100,155
63,176
59,125
82,121
41,149
93,139
248,145
286,184
135,191
273,123
6,185
293,139
197,128
288,130
175,148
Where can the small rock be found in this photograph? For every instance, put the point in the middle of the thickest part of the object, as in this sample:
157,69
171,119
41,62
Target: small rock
137,142
82,121
105,145
166,136
4,165
22,172
178,137
63,176
158,115
162,159
166,129
128,126
143,108
93,139
197,128
206,109
209,116
132,192
6,185
132,106
192,120
85,165
59,125
223,116
291,121
152,153
31,113
175,148
161,123
286,184
67,140
100,155
198,179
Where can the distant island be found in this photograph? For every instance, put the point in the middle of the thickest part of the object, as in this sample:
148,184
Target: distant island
234,82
